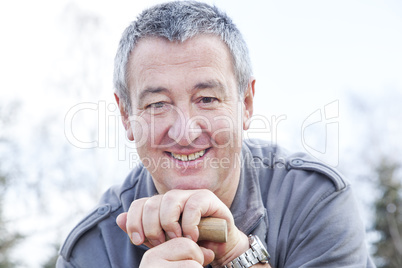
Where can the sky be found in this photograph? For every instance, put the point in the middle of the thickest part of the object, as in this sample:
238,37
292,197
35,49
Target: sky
311,59
305,54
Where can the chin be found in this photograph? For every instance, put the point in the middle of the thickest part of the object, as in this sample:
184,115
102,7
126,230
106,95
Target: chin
194,184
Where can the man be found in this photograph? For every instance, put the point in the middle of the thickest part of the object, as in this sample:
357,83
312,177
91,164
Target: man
185,91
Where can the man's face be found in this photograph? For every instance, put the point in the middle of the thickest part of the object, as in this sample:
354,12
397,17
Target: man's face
187,116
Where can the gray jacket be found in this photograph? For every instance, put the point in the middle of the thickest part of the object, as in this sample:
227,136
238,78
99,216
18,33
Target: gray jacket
302,210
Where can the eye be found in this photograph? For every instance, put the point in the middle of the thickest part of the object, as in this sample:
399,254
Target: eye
156,105
158,108
208,99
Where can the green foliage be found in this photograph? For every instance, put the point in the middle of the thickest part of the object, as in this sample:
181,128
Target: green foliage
7,240
388,220
51,262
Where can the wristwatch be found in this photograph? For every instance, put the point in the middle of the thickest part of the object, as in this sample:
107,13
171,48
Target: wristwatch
257,253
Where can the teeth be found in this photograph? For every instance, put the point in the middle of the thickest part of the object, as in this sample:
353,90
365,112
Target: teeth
189,157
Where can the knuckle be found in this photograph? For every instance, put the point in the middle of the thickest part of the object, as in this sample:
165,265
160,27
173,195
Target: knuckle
131,223
137,206
192,204
187,245
170,196
169,226
195,248
151,204
148,256
140,201
207,194
154,234
190,264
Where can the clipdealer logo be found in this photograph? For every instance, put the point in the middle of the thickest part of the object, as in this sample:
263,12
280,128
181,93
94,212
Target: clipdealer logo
319,132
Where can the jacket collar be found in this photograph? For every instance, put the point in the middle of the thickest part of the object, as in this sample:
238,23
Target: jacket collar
247,208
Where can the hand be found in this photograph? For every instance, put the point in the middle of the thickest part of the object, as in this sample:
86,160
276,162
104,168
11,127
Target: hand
152,217
179,252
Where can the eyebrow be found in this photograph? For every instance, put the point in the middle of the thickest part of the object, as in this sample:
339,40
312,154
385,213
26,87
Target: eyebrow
152,90
198,86
209,84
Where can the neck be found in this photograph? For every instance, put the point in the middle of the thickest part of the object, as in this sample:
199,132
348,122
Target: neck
227,191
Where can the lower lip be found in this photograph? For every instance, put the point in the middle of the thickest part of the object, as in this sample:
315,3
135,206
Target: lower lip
188,164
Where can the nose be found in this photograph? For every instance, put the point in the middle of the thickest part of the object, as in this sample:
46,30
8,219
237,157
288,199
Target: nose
185,128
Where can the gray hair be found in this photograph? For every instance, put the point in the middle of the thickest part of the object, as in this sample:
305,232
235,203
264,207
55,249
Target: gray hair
179,21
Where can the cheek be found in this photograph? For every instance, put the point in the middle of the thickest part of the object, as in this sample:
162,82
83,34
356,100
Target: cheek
226,130
140,130
150,132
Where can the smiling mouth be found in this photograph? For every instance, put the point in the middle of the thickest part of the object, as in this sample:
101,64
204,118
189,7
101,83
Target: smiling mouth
188,157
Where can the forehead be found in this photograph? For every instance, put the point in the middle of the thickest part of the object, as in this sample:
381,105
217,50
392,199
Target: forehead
203,55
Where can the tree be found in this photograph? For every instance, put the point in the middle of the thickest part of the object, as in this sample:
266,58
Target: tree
51,262
8,240
388,222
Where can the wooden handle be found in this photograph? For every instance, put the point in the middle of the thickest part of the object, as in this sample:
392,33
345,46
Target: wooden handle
211,229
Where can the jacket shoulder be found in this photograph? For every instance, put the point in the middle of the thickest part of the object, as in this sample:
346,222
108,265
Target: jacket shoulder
302,161
275,158
99,214
113,202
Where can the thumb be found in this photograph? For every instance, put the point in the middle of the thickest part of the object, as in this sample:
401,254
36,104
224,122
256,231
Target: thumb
209,256
121,221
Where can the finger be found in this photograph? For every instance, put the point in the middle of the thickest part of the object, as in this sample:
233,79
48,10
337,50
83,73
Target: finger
190,220
134,226
170,212
209,256
151,220
202,203
121,221
185,249
145,263
180,250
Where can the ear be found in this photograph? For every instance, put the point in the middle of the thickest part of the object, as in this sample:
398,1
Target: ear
248,101
125,118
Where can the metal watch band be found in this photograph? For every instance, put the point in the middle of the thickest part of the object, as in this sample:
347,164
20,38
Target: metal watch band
247,259
255,254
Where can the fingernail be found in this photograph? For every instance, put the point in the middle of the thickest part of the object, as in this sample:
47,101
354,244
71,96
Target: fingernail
189,236
155,242
171,235
136,238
